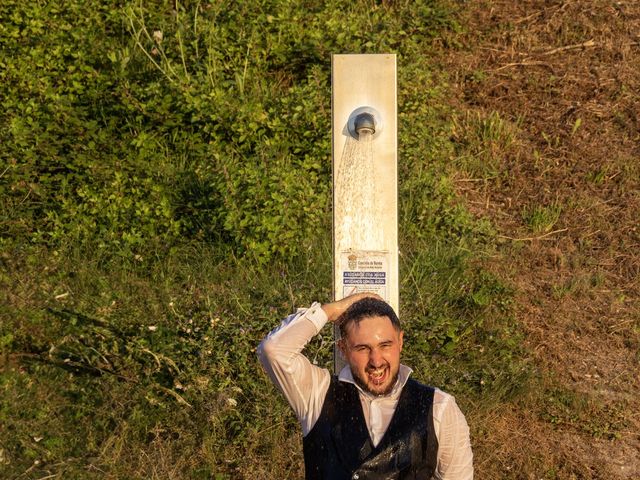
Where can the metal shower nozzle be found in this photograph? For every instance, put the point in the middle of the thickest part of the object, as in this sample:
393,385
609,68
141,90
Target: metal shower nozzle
365,119
365,122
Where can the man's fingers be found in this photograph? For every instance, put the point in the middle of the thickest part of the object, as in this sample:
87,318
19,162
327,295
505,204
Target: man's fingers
335,309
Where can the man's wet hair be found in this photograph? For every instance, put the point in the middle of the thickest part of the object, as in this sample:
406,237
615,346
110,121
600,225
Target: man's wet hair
365,308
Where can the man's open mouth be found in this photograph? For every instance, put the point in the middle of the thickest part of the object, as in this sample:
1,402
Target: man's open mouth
377,376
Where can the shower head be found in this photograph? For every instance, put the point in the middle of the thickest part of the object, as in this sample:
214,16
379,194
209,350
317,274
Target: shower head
364,119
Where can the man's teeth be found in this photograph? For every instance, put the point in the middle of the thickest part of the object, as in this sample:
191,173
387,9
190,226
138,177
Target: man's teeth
376,373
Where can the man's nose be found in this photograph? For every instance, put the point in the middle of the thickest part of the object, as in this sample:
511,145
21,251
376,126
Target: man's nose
375,358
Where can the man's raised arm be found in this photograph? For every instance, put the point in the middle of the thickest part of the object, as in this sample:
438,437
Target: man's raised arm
303,384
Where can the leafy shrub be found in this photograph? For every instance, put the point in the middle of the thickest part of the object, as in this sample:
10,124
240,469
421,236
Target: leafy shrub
148,123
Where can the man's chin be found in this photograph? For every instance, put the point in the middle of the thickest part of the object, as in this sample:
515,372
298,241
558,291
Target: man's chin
380,391
377,390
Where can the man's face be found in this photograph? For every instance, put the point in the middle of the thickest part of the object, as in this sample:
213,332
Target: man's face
372,350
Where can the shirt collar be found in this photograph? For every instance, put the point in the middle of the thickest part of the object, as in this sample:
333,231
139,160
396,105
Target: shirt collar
403,375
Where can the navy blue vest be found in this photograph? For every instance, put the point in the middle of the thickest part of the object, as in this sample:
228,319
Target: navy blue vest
339,446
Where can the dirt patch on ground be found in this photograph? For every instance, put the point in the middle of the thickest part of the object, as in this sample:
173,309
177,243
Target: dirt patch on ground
564,192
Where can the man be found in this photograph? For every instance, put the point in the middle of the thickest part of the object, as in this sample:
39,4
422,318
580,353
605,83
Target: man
372,421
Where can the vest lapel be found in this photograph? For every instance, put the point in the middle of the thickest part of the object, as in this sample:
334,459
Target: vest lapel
352,430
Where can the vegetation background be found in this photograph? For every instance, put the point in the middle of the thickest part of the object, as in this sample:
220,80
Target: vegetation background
165,181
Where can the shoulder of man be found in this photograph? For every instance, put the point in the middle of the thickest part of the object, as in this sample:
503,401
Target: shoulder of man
441,399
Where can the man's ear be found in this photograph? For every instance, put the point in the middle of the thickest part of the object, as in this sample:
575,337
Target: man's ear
401,338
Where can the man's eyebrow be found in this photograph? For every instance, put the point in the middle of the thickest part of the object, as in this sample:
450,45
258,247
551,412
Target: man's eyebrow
382,342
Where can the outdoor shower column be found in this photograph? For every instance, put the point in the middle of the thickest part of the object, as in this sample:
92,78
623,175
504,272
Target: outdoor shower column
364,148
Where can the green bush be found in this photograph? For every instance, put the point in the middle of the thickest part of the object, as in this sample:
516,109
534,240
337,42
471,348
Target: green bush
152,122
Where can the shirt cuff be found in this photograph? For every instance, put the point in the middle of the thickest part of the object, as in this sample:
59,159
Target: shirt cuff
316,315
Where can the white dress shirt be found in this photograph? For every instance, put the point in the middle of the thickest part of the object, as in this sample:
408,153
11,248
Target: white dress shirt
305,385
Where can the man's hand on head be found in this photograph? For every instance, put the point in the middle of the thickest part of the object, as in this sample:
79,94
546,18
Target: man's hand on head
337,308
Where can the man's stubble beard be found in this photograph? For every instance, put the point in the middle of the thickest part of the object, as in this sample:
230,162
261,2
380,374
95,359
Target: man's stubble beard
363,384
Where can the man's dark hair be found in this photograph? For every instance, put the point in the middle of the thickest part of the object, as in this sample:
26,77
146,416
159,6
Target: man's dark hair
366,308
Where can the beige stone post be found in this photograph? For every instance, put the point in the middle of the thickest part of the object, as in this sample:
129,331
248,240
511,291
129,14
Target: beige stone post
365,218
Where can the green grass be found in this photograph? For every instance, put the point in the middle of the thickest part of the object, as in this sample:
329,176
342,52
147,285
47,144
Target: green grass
132,360
541,218
585,413
482,141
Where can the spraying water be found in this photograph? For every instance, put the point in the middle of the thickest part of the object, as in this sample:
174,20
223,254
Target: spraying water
356,196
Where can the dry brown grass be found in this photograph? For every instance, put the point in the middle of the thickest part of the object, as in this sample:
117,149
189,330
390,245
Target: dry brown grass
567,73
